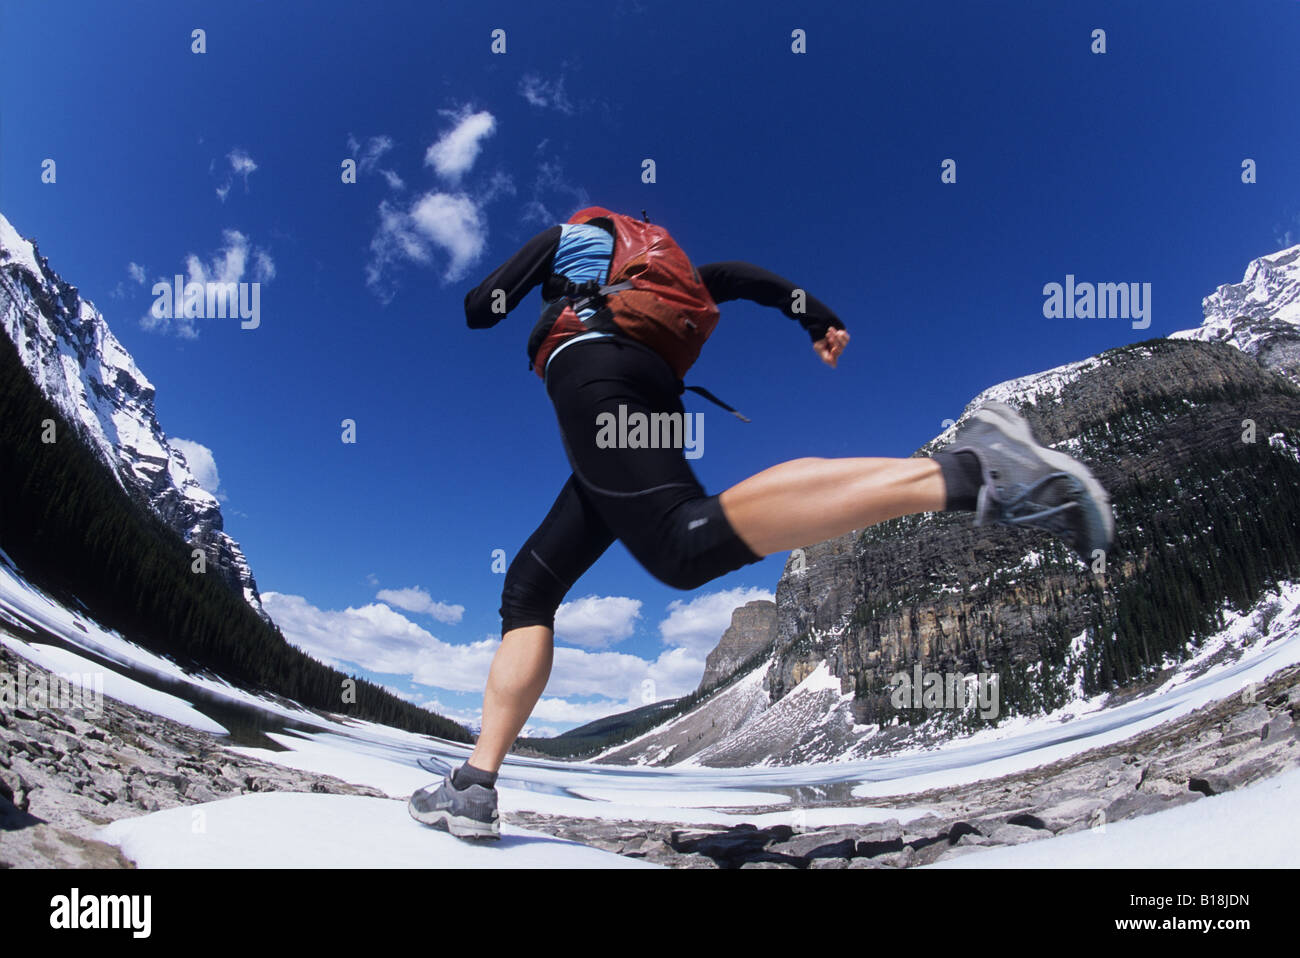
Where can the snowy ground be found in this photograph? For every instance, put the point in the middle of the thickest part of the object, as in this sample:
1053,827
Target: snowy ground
281,829
302,830
1253,827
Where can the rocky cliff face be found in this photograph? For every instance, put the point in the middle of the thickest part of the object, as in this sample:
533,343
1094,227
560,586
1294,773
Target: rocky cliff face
1260,315
1161,424
1170,431
79,364
752,629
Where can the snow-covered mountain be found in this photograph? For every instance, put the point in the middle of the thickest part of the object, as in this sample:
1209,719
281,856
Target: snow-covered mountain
1260,315
78,363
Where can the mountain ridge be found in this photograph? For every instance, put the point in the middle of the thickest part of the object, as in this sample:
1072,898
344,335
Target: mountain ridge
66,344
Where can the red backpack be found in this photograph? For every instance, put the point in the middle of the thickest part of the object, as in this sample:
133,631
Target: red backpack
653,292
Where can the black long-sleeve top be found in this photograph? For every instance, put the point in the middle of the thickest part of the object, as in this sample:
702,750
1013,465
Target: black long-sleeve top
726,281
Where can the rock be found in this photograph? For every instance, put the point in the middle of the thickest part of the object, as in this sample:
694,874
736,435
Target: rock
1017,834
829,844
1235,774
1071,812
15,789
1027,820
829,863
879,839
924,830
159,779
1142,803
752,628
198,793
899,859
739,842
864,863
959,829
635,848
956,851
44,846
767,864
1276,726
1249,720
972,838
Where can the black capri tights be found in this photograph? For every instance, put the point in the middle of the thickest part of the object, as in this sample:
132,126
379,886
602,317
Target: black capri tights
648,499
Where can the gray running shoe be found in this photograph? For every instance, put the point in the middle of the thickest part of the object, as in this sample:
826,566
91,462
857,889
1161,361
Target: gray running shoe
464,812
1026,484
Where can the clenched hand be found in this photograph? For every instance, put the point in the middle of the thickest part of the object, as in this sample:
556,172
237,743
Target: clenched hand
831,345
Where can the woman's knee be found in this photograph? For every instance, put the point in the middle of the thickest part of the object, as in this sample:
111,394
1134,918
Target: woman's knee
530,596
697,546
677,571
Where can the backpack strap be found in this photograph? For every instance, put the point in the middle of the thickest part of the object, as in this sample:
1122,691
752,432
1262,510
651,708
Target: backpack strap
591,293
700,390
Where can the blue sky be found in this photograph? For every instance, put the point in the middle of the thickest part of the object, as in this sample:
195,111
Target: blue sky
823,166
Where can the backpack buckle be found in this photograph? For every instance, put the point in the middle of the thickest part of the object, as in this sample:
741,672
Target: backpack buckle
581,295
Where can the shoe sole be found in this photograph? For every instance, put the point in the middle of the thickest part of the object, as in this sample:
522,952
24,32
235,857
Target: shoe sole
457,825
1012,425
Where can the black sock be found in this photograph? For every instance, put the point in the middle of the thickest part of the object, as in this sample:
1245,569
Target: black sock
468,775
962,476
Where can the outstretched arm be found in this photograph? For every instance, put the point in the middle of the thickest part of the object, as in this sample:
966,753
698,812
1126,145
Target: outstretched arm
515,277
734,279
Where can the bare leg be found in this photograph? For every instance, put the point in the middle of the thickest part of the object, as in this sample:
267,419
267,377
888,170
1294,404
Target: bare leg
519,673
803,501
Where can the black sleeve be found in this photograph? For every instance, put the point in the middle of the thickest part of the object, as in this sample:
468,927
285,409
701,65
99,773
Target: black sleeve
531,265
738,280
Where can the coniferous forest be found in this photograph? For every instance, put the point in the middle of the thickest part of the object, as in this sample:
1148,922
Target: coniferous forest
76,533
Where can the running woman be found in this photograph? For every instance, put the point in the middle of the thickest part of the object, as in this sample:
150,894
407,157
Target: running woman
624,315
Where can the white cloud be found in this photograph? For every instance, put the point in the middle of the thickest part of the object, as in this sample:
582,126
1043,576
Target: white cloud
698,623
1287,235
471,718
597,622
453,224
241,165
368,158
539,731
552,193
457,149
227,265
202,464
263,266
377,638
136,272
417,600
626,679
376,147
575,713
543,93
